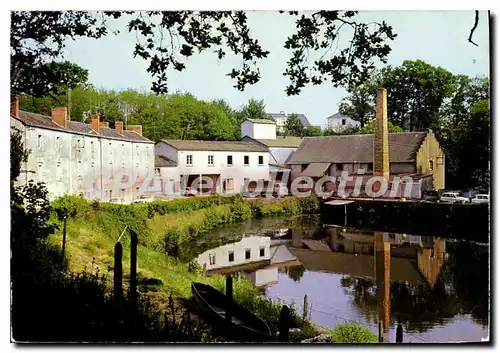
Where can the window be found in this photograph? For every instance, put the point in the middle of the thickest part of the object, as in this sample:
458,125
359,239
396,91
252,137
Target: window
229,160
211,259
211,160
137,150
110,150
59,171
369,166
189,159
157,171
247,254
58,143
92,148
343,121
431,165
123,149
40,142
262,252
231,256
261,160
229,184
246,160
340,166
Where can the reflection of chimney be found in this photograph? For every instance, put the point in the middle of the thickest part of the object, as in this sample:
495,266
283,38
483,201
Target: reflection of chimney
14,106
96,123
381,143
119,127
383,279
136,128
60,116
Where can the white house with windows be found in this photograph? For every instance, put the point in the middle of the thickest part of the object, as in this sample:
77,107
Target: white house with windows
224,167
91,160
339,120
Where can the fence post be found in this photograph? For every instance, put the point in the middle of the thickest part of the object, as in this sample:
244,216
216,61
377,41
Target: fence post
399,334
64,239
380,331
229,297
118,275
284,324
133,268
304,311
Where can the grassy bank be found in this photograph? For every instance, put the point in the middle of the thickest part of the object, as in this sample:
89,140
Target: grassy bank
166,232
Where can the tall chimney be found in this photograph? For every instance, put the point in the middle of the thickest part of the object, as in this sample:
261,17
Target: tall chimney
14,106
136,128
60,116
119,127
96,124
381,143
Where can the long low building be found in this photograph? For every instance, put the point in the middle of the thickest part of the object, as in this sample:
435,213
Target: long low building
91,160
230,165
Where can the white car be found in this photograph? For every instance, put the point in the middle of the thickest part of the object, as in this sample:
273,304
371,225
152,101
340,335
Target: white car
118,200
481,198
143,199
453,197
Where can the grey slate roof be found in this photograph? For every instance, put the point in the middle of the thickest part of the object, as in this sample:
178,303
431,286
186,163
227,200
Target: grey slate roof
43,121
162,161
262,121
302,117
200,145
356,148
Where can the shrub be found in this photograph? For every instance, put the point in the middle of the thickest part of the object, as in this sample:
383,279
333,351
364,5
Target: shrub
241,211
71,206
351,332
309,204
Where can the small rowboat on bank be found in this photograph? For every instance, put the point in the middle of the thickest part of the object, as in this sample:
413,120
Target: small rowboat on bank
244,326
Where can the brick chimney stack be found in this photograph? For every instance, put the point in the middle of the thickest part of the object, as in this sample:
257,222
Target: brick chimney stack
60,116
14,106
119,127
96,123
381,143
136,128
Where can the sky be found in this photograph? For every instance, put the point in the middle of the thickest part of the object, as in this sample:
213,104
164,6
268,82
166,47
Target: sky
436,37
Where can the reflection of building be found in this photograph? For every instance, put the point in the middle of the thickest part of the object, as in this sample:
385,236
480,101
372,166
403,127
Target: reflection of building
249,250
261,269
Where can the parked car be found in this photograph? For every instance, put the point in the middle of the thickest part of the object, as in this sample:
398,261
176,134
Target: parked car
453,197
481,198
143,199
118,200
431,195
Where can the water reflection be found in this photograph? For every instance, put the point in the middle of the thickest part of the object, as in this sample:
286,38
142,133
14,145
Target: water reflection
436,288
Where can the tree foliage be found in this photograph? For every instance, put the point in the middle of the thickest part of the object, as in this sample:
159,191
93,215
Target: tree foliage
293,126
359,105
166,39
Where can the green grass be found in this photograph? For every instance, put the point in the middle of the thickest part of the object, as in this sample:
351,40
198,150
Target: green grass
92,231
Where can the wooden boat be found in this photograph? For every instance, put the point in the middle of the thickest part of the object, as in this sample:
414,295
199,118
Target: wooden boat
244,326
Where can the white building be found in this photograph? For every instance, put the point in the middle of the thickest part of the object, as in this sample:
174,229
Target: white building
281,119
339,120
259,128
230,165
92,160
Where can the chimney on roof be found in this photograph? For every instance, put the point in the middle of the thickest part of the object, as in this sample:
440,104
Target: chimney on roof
104,124
96,123
60,116
136,128
119,127
381,143
14,106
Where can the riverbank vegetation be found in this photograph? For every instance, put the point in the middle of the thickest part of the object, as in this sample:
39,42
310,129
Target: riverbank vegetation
167,239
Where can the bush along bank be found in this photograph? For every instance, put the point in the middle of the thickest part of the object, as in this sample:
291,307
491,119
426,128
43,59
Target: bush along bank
166,231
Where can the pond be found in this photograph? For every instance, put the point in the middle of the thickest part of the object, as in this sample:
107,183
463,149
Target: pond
437,288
